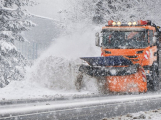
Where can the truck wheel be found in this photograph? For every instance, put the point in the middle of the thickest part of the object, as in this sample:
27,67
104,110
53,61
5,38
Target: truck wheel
155,78
78,82
102,85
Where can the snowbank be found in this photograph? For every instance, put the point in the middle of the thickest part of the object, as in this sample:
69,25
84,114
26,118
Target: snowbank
147,115
30,90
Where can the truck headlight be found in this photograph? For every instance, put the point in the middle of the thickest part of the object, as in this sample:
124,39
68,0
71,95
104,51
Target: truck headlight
113,72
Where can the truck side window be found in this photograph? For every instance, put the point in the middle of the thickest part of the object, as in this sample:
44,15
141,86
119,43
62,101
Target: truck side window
151,37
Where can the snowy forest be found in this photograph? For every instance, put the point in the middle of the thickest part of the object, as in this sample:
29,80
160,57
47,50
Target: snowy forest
13,20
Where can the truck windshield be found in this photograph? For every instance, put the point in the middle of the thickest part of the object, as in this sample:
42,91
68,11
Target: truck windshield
124,40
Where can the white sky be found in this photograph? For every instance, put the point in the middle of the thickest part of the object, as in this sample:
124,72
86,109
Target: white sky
49,8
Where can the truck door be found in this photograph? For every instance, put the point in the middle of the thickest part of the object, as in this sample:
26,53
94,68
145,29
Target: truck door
153,47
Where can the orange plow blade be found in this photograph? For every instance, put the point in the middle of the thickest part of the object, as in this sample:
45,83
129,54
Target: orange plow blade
128,83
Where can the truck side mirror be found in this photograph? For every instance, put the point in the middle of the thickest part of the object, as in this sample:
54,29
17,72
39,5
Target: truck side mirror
97,39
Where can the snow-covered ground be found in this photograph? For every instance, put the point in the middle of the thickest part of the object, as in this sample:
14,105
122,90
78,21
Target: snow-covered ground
147,115
25,90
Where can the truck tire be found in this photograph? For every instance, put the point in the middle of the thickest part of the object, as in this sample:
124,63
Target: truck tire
79,82
102,85
154,83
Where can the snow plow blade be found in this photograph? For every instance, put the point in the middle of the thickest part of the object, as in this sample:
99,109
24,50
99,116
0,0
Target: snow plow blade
129,83
98,71
119,73
107,61
119,79
98,66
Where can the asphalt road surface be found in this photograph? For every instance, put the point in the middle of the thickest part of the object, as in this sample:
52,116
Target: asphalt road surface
95,108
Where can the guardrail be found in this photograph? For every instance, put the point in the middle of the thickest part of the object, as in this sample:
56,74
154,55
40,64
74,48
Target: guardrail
31,50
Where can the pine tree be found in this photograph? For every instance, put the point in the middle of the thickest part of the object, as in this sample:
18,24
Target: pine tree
13,21
126,10
100,11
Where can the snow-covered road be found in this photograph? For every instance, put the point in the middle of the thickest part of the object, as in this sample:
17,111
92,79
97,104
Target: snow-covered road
92,108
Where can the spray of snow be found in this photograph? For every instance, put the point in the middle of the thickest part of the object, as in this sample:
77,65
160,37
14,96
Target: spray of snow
57,68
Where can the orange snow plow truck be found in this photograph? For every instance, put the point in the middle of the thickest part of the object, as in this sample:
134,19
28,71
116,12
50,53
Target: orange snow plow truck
130,57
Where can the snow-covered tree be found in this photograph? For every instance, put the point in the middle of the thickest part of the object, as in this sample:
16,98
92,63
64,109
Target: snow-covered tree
13,20
126,10
100,11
